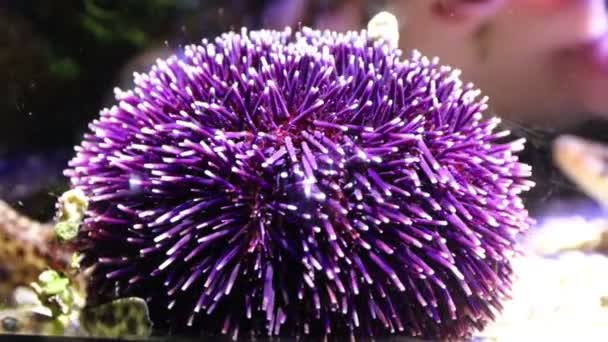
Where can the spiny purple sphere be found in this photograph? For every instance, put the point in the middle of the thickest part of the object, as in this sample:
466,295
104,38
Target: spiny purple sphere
302,183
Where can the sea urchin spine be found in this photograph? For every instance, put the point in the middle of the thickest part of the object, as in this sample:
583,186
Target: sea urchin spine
312,182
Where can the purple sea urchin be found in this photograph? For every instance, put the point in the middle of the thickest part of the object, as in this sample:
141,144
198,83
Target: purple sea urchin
302,183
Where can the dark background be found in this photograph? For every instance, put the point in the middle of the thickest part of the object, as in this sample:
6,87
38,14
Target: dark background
59,61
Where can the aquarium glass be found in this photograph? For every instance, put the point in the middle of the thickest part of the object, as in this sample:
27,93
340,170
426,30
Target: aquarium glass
421,170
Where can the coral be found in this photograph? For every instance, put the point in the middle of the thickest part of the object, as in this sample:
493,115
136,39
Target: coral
27,247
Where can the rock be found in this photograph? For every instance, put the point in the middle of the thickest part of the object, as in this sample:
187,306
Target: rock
561,298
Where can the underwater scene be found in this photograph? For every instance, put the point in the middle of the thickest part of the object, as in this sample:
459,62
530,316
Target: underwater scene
346,170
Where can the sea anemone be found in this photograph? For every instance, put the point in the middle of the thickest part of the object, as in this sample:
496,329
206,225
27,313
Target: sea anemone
307,183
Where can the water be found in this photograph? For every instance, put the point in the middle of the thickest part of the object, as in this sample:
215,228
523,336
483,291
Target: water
543,67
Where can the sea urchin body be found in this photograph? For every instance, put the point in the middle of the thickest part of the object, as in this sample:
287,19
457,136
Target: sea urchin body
299,183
